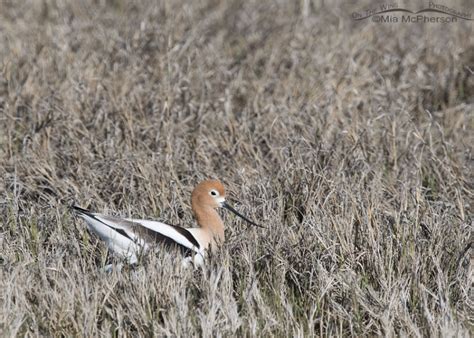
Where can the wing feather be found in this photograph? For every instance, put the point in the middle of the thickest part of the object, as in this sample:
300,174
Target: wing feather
145,232
150,232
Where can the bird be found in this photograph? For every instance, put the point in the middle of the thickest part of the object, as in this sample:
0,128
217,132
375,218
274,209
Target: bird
128,237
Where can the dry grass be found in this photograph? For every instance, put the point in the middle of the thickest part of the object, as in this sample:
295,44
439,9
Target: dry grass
351,141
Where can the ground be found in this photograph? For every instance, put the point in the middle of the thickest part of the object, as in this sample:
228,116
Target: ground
350,141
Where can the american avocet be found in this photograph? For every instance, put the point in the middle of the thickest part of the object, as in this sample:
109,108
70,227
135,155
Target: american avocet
129,237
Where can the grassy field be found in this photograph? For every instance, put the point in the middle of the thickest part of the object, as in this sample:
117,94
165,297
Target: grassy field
352,142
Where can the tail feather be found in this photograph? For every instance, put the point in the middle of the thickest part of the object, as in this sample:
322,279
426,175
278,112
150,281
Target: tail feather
91,216
82,210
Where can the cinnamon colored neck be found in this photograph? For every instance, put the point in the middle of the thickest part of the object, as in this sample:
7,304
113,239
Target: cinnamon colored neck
209,219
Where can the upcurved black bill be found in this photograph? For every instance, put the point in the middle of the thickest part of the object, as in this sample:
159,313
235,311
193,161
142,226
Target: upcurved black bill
228,207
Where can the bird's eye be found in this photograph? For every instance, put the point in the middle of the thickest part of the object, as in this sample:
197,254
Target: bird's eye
214,193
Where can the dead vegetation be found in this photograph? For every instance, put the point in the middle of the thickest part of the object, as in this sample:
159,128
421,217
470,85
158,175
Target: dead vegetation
351,141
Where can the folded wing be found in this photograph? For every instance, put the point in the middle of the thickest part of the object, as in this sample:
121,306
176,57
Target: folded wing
139,232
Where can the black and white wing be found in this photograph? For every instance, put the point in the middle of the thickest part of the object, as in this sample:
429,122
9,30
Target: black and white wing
131,235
